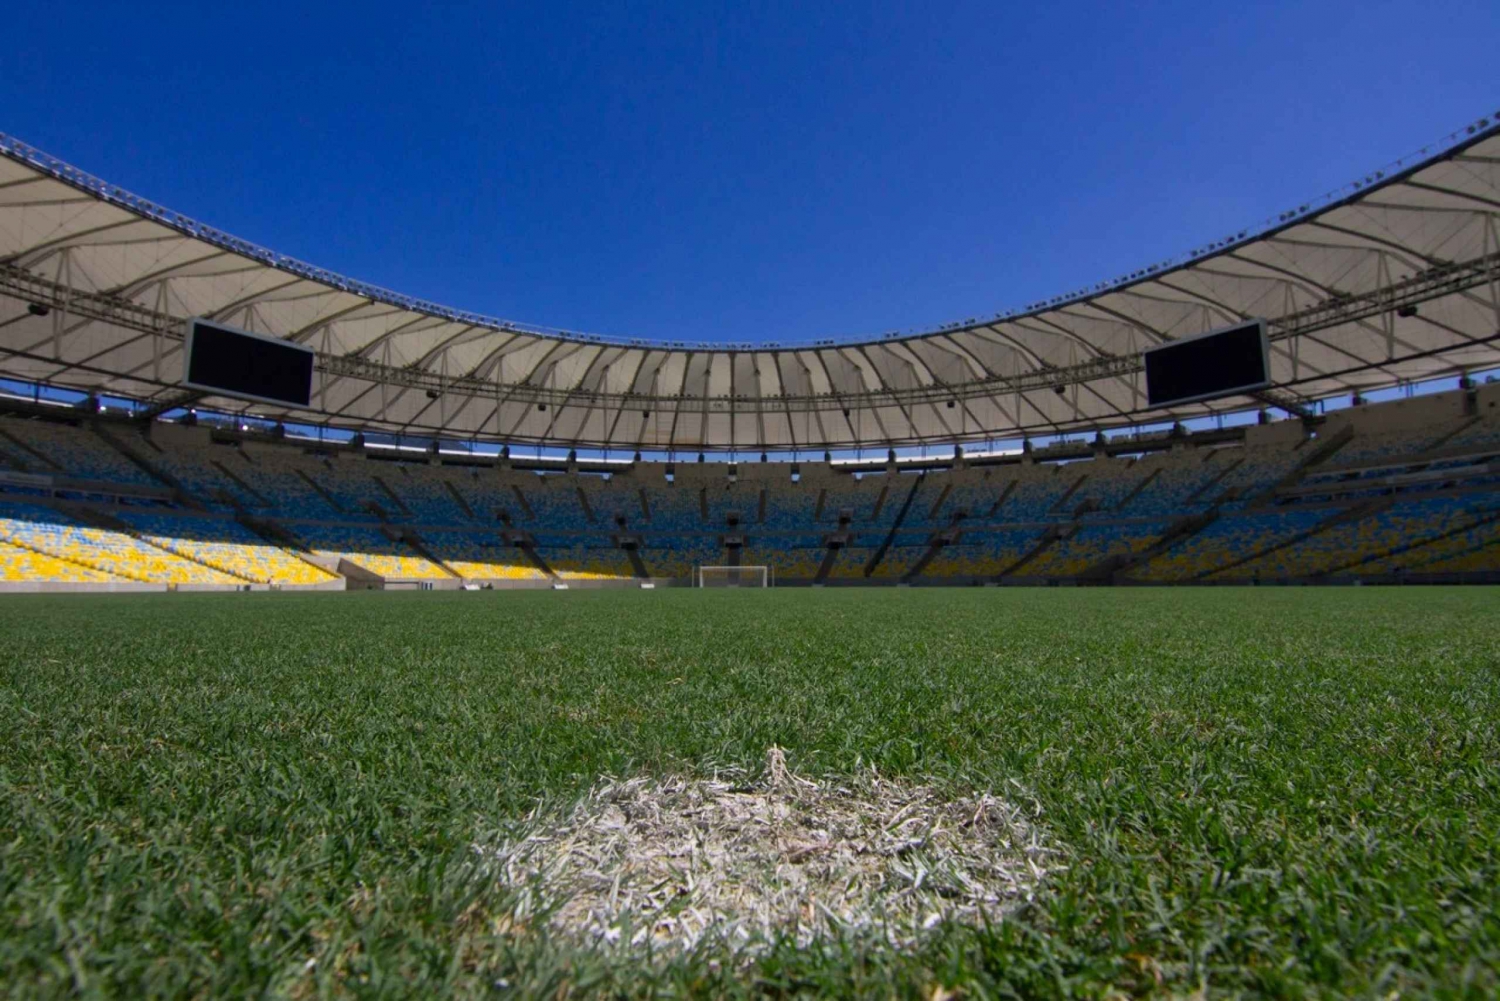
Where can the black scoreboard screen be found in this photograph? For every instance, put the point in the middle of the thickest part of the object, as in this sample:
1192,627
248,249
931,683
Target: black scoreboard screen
230,362
1219,363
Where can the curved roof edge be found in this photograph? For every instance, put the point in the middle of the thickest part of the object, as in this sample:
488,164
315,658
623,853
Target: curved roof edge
1390,280
1391,173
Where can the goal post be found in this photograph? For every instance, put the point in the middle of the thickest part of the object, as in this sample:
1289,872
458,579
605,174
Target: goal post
756,576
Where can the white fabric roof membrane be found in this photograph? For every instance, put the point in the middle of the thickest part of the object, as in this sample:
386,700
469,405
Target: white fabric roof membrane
121,276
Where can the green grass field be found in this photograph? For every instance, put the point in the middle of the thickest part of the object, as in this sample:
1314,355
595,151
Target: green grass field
1264,791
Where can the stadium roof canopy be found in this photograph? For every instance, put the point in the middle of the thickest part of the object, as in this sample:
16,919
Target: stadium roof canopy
1335,279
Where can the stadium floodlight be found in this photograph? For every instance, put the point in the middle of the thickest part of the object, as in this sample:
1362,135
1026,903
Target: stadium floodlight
746,576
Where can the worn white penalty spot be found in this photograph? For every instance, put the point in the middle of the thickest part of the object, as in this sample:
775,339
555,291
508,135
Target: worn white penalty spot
672,862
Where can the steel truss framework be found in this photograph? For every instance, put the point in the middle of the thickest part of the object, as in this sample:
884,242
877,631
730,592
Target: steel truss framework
1396,279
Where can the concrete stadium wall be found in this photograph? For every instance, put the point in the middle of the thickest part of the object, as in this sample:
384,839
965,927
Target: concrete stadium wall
58,587
178,435
422,584
1478,577
1279,434
1487,398
1411,579
1398,415
337,584
617,584
143,587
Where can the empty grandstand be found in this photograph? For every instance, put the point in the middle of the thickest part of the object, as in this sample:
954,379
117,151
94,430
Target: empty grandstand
405,466
1403,491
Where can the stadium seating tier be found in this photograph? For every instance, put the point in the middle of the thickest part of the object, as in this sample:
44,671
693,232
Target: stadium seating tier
1371,496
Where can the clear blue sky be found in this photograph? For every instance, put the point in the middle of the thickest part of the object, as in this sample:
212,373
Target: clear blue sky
740,171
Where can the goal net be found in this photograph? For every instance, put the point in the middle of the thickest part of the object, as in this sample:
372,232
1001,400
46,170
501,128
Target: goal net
733,577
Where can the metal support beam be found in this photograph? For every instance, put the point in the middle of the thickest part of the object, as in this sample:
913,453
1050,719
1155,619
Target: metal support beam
1435,282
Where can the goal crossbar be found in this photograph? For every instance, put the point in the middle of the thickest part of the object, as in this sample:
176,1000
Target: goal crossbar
741,576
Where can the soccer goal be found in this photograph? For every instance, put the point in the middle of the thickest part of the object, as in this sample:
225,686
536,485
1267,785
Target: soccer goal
733,577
